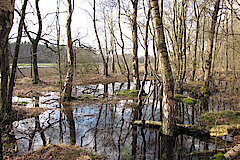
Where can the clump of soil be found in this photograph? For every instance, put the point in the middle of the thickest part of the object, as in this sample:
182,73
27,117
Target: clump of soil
61,152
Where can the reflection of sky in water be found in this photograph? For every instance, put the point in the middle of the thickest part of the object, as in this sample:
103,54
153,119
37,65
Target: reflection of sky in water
48,100
113,132
98,90
85,118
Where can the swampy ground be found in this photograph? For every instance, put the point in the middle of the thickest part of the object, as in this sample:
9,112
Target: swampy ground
98,121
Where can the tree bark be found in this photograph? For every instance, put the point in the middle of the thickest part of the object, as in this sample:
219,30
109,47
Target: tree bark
6,22
1,145
58,29
105,65
67,89
136,79
16,53
208,67
197,15
141,90
123,43
35,45
165,67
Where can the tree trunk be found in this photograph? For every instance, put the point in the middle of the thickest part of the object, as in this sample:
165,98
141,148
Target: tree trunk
6,14
203,44
136,79
35,63
197,15
165,67
67,90
16,53
227,43
141,90
105,65
35,45
1,145
208,67
58,29
123,43
233,44
117,58
6,22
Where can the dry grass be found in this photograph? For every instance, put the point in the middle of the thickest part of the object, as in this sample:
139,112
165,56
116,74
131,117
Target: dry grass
50,81
61,152
20,112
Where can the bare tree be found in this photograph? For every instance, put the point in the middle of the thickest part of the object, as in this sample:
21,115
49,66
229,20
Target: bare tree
212,31
16,53
35,42
165,67
123,43
67,89
58,28
135,45
105,64
197,13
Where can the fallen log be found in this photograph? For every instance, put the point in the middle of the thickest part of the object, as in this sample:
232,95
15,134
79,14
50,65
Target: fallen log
192,130
233,153
223,130
155,124
180,128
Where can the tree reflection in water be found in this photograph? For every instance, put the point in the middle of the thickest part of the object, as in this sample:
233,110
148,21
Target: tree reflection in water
106,127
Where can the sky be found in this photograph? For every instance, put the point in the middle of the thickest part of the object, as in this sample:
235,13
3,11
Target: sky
82,25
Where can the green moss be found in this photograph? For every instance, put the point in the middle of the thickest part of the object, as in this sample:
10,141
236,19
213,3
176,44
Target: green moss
22,103
178,96
225,117
126,153
190,101
206,95
58,82
203,90
128,93
218,156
